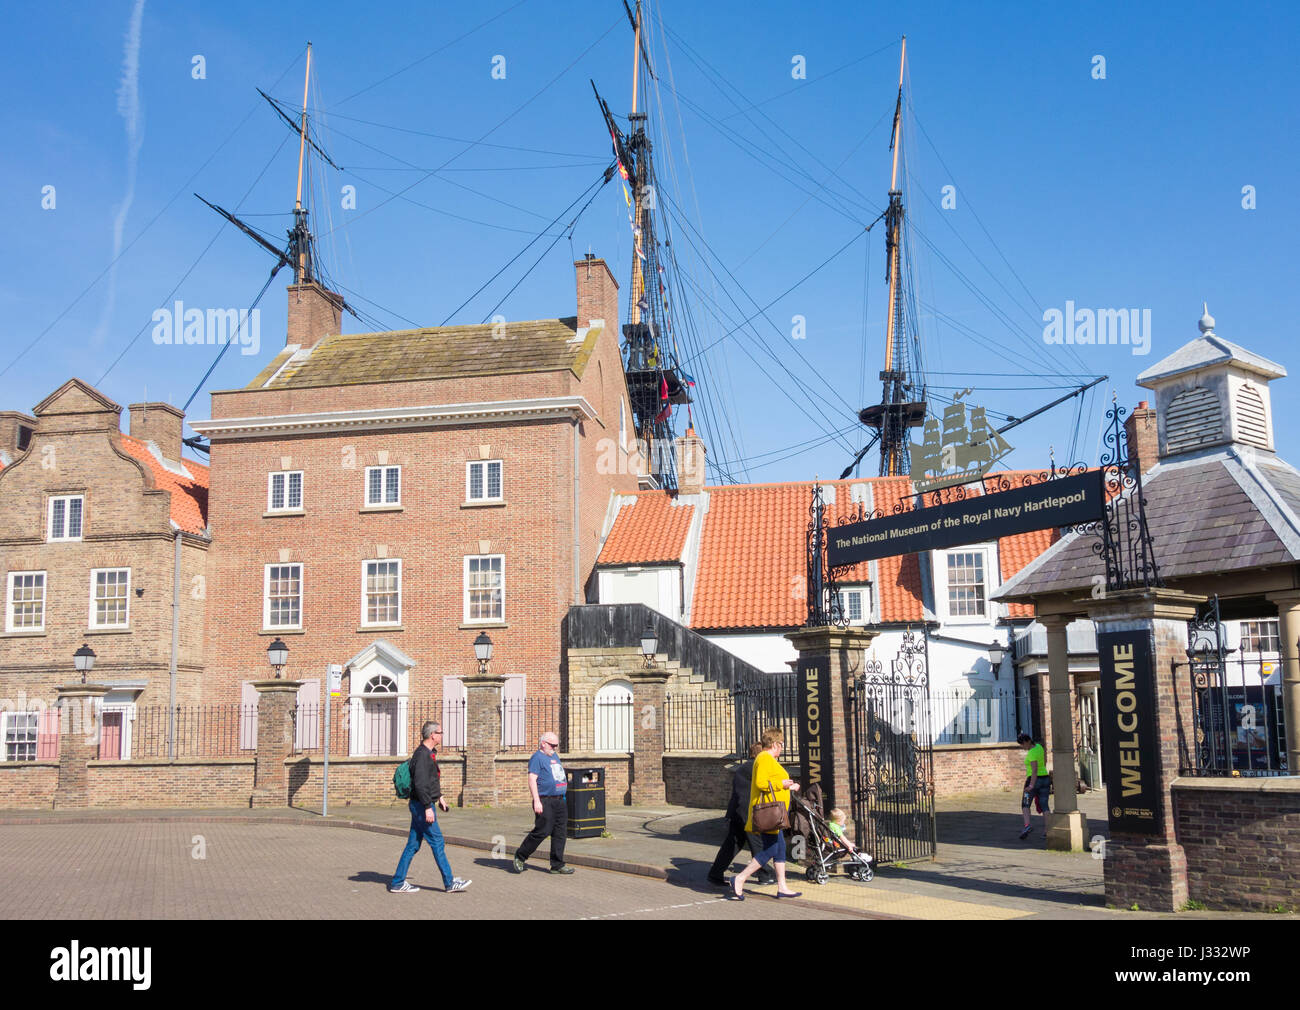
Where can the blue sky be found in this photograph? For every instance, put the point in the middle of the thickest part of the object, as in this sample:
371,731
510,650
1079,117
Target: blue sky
1117,193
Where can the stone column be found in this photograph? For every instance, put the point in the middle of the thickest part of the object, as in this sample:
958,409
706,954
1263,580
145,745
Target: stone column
1150,870
482,738
1288,612
649,688
78,741
845,648
276,700
1067,828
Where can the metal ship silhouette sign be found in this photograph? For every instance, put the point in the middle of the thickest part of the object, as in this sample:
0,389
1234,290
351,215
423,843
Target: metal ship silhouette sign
965,450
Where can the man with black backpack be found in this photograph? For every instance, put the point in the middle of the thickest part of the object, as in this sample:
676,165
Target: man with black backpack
425,800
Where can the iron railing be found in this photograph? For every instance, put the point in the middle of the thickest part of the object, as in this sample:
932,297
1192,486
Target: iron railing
704,722
984,714
771,702
1240,725
202,731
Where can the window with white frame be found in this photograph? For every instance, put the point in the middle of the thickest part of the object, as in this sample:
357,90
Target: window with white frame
110,600
381,592
967,583
485,588
19,729
1260,636
855,604
25,610
284,491
282,606
483,480
383,485
65,517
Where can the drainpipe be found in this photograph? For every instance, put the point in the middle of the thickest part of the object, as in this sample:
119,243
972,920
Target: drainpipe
176,635
577,547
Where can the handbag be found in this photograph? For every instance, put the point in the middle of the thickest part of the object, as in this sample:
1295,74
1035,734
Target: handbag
771,815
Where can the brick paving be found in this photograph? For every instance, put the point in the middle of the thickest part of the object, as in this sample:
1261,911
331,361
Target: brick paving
274,870
293,864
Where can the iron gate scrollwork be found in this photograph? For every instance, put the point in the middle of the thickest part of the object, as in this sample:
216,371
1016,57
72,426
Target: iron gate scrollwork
891,763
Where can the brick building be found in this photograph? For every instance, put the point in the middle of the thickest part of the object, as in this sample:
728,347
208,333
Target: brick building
379,499
98,531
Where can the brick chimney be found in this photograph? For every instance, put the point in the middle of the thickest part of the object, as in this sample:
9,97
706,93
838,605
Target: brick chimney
690,463
314,314
597,292
160,423
1142,432
15,434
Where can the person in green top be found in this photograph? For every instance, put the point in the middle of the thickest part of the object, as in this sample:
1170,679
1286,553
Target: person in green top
1038,785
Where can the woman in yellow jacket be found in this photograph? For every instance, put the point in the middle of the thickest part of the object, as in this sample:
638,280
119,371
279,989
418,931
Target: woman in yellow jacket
769,782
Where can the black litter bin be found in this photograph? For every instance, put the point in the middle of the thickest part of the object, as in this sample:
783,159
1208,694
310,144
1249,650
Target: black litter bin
586,802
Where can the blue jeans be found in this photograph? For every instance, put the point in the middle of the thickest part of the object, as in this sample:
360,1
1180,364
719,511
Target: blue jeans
422,830
767,846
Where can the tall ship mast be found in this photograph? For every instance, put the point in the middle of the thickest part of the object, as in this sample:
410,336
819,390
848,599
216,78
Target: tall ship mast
655,380
903,401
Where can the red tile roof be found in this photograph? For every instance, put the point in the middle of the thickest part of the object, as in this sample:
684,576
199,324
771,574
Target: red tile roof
752,552
189,496
652,529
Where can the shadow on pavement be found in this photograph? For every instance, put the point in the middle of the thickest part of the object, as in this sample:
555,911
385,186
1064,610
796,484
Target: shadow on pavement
995,829
371,877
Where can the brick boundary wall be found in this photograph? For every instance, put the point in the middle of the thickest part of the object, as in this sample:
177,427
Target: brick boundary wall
194,782
1241,838
28,785
977,767
699,778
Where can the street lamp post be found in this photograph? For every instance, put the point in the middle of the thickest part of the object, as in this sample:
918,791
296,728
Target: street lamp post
649,645
483,652
84,660
277,654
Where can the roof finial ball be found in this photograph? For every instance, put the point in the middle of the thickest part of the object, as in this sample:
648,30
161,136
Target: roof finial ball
1207,321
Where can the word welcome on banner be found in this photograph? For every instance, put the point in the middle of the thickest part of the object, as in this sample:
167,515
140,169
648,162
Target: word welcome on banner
1066,501
1129,753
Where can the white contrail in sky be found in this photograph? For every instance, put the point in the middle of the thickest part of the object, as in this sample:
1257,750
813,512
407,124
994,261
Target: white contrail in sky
128,107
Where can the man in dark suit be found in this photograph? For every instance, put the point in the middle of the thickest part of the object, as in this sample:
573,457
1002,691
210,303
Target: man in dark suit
737,809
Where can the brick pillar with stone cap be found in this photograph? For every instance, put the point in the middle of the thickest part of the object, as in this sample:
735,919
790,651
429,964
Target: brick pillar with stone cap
649,698
79,725
276,700
845,649
482,738
1150,870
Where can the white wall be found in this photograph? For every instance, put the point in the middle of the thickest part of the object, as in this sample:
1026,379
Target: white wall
659,588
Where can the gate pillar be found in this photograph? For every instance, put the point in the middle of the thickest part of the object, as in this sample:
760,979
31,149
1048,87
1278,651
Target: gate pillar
1149,720
1067,828
829,660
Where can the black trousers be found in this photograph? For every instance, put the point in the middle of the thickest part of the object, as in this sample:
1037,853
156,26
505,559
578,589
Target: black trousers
735,841
552,821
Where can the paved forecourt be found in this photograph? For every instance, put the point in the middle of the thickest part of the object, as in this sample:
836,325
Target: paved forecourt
214,870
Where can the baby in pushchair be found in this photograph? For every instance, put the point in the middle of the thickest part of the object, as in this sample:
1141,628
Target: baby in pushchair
825,844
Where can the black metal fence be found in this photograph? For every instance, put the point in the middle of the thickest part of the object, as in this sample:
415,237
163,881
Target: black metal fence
202,731
704,722
1238,716
770,701
376,726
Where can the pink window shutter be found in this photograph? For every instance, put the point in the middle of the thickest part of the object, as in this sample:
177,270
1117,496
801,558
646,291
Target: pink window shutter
307,732
248,717
47,735
512,712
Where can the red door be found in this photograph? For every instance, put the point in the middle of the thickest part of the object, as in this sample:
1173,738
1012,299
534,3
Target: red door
110,736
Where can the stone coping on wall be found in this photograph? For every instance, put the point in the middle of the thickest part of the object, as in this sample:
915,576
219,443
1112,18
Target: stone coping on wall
713,755
974,746
164,762
1241,784
368,759
18,765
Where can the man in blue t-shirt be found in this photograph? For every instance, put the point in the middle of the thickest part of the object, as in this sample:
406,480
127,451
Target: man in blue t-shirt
547,783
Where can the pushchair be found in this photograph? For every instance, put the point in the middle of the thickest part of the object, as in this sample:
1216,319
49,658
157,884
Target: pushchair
822,847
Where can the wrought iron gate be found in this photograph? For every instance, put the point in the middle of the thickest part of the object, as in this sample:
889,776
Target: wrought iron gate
891,764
